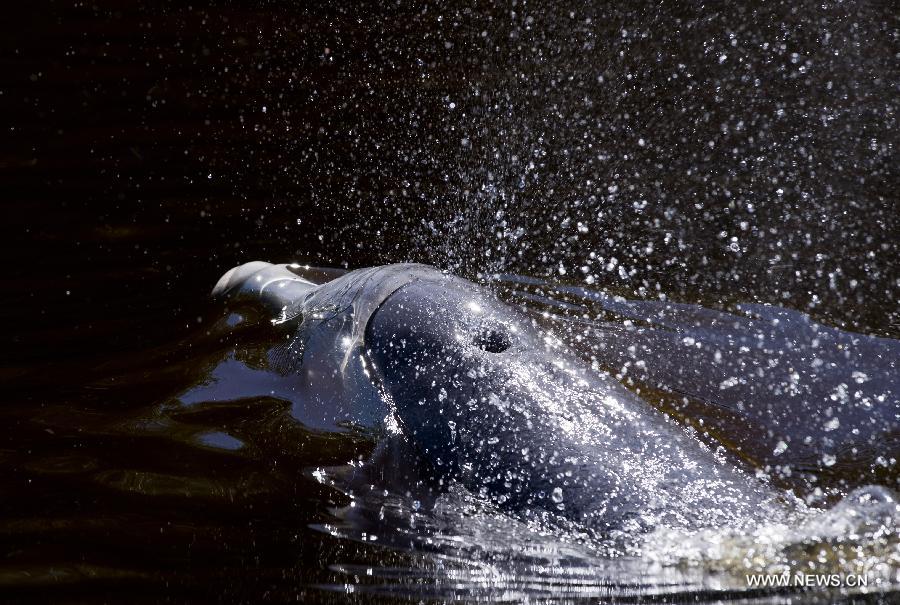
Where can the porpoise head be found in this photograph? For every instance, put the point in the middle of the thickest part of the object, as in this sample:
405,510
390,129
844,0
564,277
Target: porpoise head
487,398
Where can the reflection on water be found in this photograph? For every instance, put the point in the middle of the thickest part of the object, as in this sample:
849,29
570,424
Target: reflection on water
474,550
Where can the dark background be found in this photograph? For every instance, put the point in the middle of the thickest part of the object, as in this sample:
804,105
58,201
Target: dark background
150,146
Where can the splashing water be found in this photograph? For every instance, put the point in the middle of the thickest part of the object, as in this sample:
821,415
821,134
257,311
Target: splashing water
679,544
625,159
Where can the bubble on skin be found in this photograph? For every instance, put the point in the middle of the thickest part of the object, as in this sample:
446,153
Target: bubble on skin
860,377
729,383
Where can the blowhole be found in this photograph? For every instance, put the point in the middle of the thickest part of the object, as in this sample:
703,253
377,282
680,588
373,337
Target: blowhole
492,340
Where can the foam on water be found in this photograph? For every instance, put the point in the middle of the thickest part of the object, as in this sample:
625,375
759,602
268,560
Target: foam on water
471,549
859,535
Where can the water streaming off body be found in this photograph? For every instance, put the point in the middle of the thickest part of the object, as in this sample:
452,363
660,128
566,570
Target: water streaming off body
700,201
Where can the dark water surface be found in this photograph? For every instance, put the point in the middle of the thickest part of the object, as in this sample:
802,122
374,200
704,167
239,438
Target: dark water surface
712,155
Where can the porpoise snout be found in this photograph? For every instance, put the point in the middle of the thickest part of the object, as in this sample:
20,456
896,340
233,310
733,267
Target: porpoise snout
235,277
273,286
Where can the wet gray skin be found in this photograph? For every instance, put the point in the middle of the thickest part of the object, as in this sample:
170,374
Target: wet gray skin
478,394
806,396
